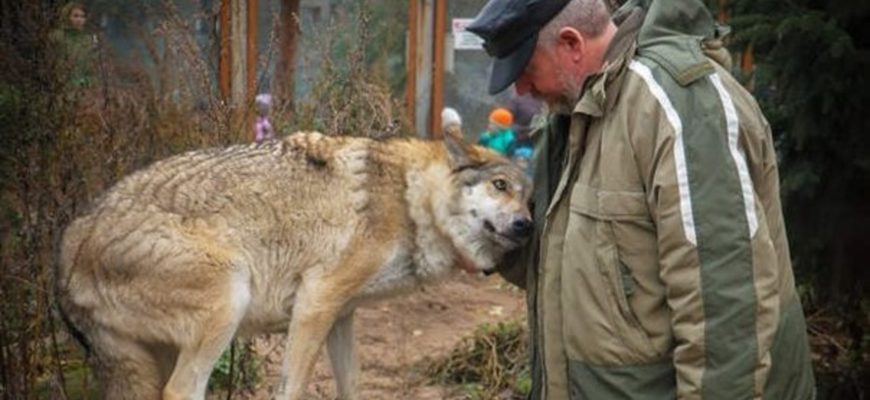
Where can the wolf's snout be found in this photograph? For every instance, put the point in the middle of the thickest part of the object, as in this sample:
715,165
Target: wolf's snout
522,227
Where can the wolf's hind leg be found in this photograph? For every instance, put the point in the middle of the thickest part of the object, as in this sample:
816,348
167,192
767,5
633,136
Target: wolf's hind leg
126,369
342,357
189,379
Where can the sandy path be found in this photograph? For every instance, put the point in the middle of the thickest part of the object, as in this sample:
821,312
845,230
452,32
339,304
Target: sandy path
395,336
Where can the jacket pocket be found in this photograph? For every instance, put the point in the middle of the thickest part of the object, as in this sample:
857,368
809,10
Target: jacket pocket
619,209
608,214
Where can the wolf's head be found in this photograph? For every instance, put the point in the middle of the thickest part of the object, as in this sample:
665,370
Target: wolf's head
490,210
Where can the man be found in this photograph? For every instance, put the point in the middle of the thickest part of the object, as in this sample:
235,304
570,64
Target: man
660,268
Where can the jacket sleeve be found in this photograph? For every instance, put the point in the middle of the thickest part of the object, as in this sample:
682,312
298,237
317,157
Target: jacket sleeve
515,266
713,256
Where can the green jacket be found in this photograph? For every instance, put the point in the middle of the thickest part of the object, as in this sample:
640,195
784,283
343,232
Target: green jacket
660,268
501,140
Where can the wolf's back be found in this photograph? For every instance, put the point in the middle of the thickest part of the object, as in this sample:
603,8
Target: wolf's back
304,181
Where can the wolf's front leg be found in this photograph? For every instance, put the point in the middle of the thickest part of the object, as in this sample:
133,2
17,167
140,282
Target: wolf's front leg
321,298
343,358
313,316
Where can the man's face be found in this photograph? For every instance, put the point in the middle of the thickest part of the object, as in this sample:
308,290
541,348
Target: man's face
552,77
77,18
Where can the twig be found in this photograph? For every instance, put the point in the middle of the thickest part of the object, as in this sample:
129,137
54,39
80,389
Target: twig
818,333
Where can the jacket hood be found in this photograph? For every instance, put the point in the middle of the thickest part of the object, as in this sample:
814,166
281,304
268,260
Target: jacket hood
672,18
671,36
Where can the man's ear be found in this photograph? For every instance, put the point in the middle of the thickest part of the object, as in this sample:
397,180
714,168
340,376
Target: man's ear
573,41
458,152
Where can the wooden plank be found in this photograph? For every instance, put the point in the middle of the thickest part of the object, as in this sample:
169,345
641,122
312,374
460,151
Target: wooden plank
251,50
437,101
224,54
411,62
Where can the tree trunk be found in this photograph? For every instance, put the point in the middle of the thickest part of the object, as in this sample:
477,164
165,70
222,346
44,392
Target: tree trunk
288,39
238,53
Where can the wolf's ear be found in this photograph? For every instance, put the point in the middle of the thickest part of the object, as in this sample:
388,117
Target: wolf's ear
458,152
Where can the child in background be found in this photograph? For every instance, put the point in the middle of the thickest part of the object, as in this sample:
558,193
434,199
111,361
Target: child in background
499,136
263,127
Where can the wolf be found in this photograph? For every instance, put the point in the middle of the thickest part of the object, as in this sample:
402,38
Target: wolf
177,259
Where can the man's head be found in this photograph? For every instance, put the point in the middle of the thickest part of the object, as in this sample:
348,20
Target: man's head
545,47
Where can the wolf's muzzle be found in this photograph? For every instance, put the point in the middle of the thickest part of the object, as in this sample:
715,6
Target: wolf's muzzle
522,227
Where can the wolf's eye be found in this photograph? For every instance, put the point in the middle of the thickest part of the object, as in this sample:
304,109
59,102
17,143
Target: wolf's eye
500,185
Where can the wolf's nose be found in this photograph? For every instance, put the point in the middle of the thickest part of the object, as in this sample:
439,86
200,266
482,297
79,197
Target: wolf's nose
522,227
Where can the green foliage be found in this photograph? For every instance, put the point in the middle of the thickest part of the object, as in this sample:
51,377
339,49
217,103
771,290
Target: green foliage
811,81
236,369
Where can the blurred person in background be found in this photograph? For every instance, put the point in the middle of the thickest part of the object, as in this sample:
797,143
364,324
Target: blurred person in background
75,46
499,134
528,114
525,108
451,123
263,126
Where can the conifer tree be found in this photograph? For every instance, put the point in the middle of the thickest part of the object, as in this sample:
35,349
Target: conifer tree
812,81
812,78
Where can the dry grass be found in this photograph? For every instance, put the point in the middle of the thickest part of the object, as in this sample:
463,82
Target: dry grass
842,370
490,364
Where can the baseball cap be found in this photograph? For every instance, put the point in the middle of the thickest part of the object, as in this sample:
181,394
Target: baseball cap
509,29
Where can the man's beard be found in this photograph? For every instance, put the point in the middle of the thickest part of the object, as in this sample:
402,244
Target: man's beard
565,102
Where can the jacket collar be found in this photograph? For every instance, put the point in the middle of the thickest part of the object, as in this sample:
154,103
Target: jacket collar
599,93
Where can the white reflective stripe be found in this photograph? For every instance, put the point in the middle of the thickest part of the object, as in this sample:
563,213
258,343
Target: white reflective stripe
679,151
737,153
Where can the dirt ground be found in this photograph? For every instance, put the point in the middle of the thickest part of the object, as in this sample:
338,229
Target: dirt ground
396,337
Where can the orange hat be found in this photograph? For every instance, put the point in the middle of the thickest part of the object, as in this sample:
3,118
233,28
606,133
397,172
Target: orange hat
502,117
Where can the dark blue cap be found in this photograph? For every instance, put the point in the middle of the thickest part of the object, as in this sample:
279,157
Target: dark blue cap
509,29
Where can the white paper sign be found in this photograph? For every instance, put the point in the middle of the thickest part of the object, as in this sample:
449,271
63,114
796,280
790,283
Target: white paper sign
462,39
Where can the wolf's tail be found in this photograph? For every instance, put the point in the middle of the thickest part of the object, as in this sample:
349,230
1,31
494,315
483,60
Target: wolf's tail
76,333
59,294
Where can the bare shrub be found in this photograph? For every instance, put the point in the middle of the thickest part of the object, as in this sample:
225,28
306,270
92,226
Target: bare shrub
61,145
350,96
